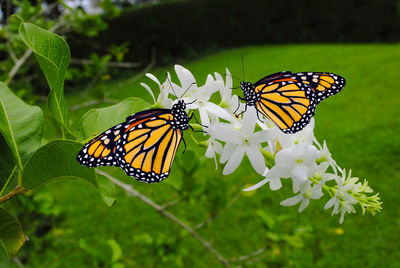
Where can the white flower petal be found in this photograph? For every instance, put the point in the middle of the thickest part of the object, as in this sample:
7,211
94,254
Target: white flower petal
225,132
341,217
311,154
205,121
148,90
228,82
185,77
211,86
275,184
285,159
285,140
330,203
304,204
210,153
234,105
256,158
218,77
218,147
214,109
235,160
257,185
152,77
262,136
292,201
228,150
277,172
249,120
300,173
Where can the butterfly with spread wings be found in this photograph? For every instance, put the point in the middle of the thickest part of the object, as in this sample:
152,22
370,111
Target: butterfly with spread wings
289,99
144,146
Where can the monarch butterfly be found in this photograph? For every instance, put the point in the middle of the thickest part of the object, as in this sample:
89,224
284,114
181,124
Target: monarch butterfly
144,146
289,99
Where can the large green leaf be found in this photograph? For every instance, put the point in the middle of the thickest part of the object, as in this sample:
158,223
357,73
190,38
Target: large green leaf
98,120
57,160
4,260
53,55
11,232
21,125
7,168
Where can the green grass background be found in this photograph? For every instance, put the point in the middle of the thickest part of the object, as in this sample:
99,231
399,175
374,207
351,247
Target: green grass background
361,126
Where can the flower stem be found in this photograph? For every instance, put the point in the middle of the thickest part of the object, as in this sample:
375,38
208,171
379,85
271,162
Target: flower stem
330,190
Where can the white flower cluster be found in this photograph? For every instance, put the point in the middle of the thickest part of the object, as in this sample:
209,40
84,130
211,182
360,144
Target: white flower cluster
235,132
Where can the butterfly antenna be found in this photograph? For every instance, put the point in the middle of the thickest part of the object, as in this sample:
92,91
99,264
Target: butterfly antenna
234,77
191,102
169,81
242,66
187,89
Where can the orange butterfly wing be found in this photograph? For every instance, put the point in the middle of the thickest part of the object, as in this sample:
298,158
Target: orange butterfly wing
148,146
323,84
289,99
286,102
100,151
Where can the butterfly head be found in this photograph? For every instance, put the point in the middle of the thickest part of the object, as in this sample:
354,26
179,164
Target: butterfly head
245,85
181,118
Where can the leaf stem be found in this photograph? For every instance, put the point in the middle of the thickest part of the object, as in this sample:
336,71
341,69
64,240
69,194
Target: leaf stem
8,180
17,191
19,183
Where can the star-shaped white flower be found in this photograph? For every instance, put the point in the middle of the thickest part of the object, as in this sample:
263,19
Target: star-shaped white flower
305,136
326,155
343,201
214,147
229,102
198,97
310,190
304,197
240,142
296,163
165,90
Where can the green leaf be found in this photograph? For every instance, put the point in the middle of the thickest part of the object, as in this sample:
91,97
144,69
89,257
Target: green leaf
11,232
273,236
53,55
267,219
7,167
98,120
4,260
57,160
21,125
107,189
116,250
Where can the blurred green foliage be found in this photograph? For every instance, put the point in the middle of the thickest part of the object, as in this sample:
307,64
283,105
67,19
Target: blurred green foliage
57,17
188,29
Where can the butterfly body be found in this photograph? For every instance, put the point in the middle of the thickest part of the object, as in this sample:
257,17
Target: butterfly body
289,99
144,146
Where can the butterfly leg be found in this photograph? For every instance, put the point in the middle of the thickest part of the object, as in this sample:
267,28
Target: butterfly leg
258,116
193,115
245,109
195,118
184,143
239,98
